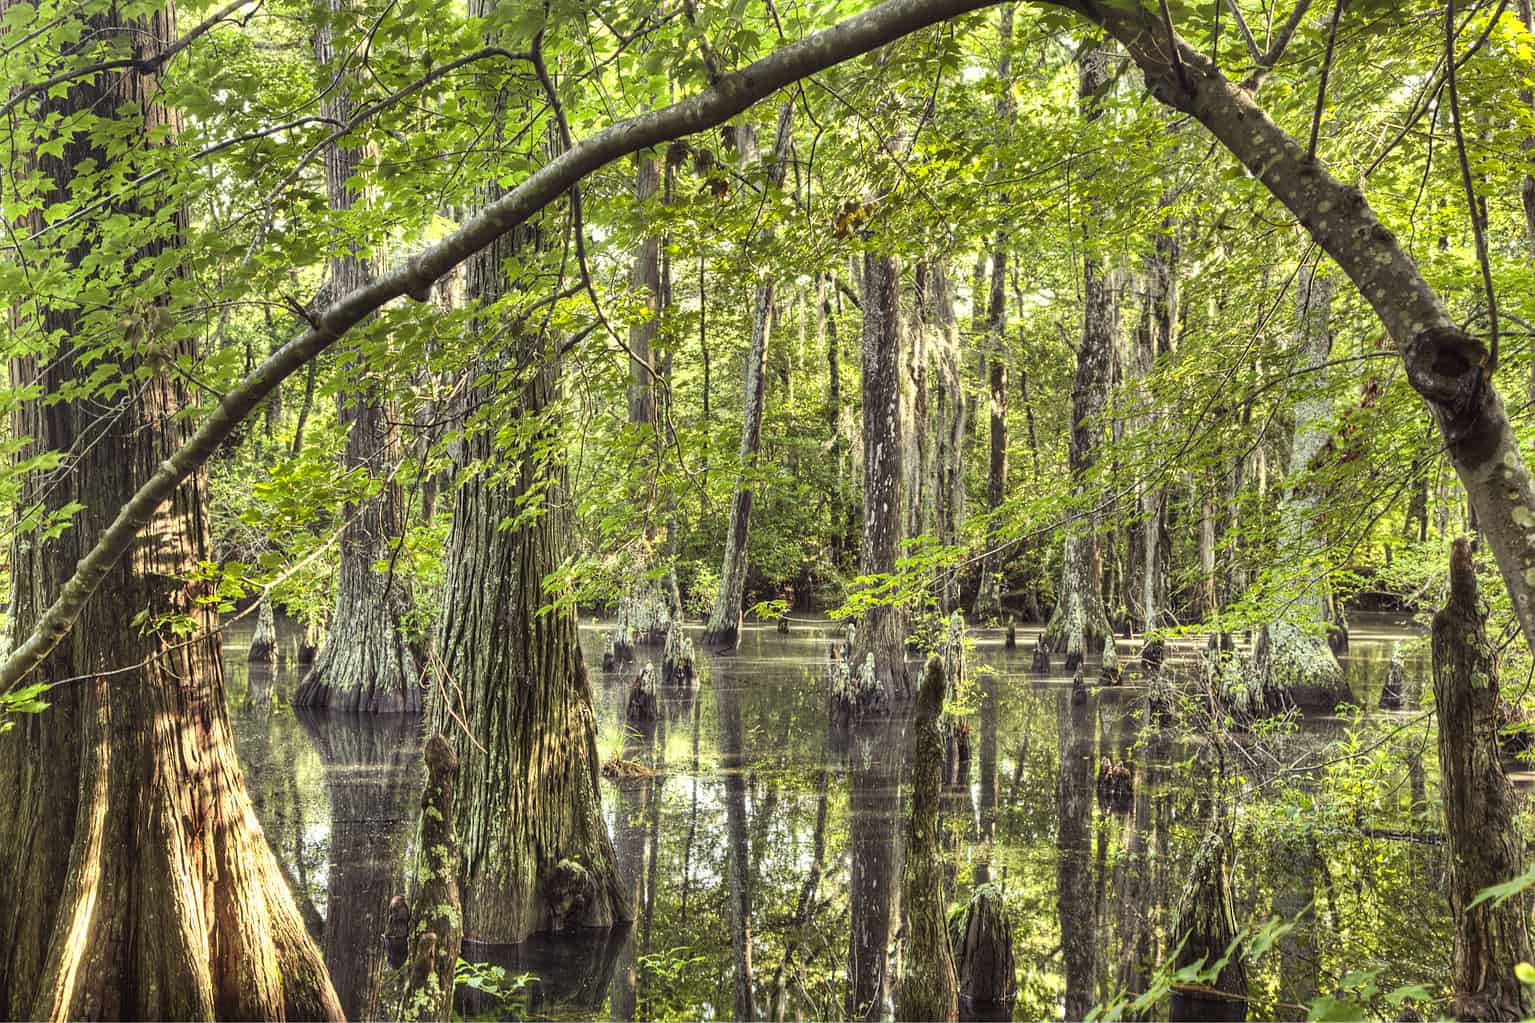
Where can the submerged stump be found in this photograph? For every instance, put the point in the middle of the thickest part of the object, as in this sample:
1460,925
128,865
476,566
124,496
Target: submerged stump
263,648
983,956
1479,807
642,695
1204,929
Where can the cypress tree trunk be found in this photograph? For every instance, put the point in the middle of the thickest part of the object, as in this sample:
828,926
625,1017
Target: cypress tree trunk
882,632
724,626
948,416
511,692
1479,808
1156,337
368,662
436,931
138,883
929,987
1295,663
1079,622
988,598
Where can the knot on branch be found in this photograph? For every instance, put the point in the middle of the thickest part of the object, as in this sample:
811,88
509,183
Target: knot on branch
1449,368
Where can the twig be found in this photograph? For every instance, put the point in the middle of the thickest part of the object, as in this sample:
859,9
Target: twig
1474,207
1321,89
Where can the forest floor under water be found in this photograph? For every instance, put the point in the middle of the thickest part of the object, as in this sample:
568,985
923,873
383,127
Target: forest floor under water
1336,826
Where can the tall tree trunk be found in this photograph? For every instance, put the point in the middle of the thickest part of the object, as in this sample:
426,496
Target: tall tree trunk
724,626
1295,663
883,629
1156,338
948,422
509,675
988,598
138,883
1479,808
1080,622
368,662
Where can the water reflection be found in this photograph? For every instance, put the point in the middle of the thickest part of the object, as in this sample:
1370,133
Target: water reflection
763,850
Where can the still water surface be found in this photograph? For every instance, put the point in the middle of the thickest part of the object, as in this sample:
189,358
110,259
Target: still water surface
757,812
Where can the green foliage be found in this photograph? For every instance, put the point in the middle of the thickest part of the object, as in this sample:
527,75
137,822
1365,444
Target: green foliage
506,992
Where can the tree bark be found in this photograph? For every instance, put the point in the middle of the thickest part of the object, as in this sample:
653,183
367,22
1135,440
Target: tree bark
437,923
1479,808
1295,663
368,662
509,674
724,628
1079,622
139,885
883,629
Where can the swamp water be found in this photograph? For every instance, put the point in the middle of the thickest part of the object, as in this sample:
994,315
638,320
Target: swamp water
763,844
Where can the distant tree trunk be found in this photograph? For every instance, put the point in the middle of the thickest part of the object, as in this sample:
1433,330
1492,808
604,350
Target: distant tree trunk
509,675
646,279
137,882
1294,661
948,414
724,625
263,648
919,454
1080,622
1527,183
1156,337
1479,808
988,599
882,632
929,988
368,661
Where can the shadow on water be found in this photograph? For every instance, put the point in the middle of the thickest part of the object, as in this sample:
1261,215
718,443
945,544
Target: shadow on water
763,850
